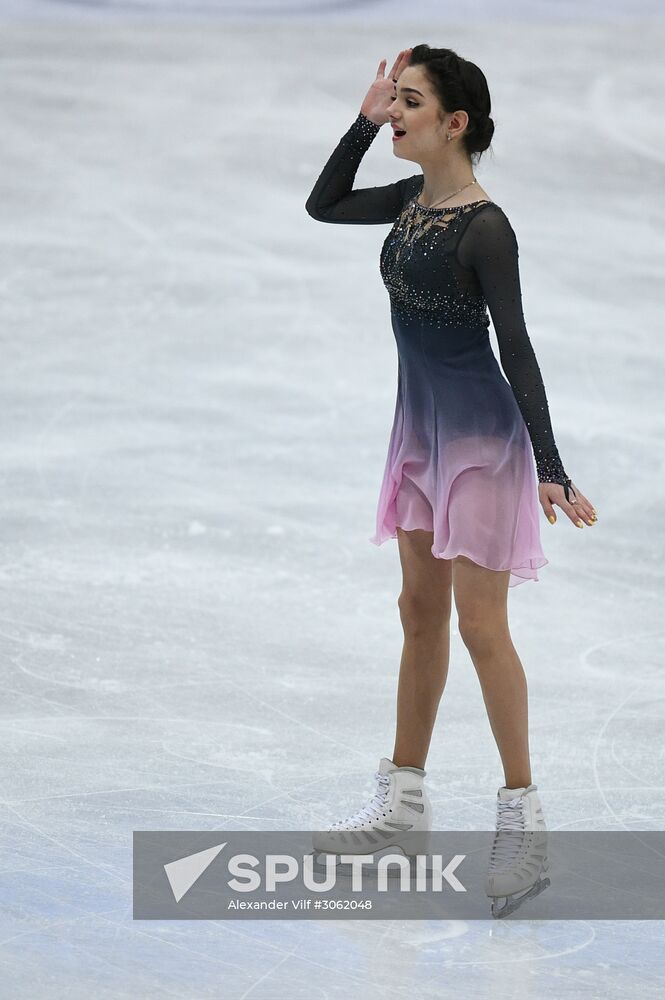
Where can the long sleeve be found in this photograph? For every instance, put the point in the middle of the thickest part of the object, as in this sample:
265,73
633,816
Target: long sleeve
333,198
489,246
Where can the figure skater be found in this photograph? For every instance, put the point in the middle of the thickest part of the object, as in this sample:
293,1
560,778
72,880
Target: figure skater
459,489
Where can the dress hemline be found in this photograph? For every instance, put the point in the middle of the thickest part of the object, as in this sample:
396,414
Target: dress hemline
516,577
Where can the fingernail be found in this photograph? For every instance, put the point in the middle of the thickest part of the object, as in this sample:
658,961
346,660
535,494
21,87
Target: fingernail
551,518
579,524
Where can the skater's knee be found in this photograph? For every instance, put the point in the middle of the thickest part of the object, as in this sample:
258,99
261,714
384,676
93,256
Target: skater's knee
483,632
423,614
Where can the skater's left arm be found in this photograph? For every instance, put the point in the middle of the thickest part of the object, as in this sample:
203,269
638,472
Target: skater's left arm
489,246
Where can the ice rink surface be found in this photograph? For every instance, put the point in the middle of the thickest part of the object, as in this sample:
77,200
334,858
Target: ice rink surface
197,387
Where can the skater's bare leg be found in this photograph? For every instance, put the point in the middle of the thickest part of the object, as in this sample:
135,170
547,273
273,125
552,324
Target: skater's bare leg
481,600
424,608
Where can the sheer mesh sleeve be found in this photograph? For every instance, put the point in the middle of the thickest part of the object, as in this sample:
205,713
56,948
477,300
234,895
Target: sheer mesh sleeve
333,198
489,246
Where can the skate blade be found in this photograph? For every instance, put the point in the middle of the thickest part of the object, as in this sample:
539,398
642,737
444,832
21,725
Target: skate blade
512,903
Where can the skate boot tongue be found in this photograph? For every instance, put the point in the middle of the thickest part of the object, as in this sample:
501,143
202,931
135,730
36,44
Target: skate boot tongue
386,765
506,794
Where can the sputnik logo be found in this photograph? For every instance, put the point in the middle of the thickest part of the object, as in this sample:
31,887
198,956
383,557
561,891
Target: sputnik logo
183,873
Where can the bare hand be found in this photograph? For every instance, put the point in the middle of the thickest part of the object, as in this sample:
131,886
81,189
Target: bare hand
580,511
379,97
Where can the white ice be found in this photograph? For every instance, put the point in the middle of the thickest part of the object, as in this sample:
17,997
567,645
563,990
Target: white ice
197,387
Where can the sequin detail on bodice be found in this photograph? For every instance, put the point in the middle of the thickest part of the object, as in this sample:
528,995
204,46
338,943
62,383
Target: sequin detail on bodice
413,250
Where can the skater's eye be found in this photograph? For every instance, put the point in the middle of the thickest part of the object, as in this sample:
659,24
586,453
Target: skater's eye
409,104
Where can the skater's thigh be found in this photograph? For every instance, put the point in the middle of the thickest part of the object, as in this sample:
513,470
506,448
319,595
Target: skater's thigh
426,580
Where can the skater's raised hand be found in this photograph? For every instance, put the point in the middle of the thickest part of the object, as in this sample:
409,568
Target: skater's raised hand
580,512
379,97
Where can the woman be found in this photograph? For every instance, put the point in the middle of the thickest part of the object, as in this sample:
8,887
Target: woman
459,490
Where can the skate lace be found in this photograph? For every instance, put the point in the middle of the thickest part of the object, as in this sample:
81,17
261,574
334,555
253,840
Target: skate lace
374,807
510,828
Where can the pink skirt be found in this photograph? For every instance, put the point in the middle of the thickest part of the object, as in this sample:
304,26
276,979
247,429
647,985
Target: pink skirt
460,464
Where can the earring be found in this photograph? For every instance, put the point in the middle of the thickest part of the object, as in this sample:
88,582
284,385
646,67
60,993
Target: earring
449,135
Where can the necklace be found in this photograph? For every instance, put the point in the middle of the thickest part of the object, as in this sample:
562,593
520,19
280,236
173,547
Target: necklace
421,217
474,181
417,219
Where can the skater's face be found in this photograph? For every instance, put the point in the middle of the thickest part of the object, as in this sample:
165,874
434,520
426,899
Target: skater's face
417,110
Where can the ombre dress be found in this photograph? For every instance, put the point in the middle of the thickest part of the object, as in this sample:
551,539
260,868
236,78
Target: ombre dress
460,459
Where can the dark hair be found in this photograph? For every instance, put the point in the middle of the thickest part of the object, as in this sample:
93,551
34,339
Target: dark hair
460,85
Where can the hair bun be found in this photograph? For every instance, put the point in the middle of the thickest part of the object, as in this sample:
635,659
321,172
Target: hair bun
486,127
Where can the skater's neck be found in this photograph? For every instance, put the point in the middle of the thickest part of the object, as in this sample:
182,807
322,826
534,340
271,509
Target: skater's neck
449,183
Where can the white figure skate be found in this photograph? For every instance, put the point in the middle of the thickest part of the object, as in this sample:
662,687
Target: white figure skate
519,850
399,809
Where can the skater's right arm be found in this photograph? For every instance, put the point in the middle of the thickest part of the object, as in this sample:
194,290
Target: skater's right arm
332,198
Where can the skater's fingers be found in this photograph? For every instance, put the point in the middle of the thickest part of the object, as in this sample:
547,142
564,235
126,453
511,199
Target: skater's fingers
575,512
586,508
381,70
580,512
395,69
549,494
572,511
578,508
586,511
400,63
